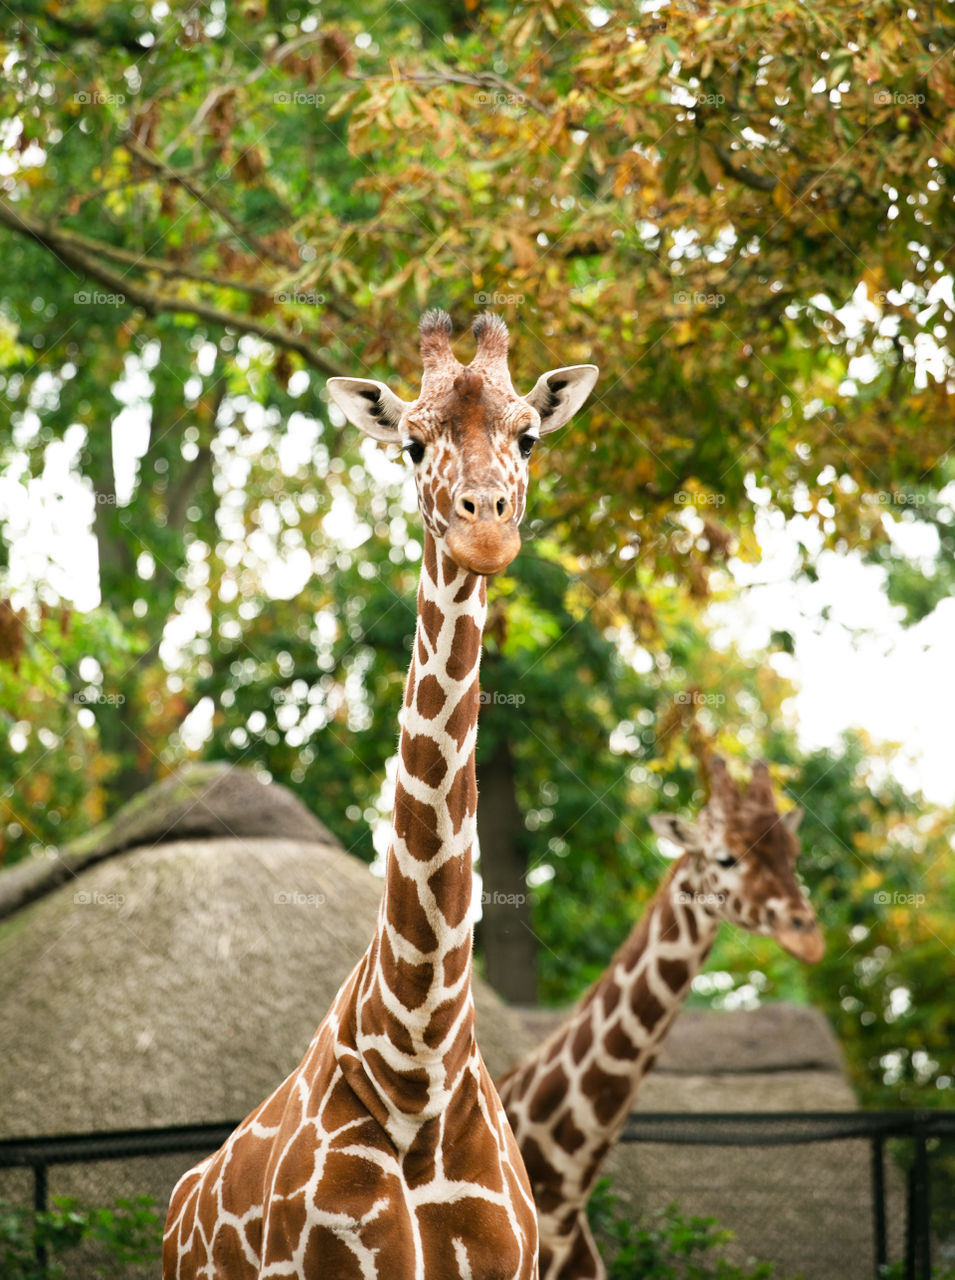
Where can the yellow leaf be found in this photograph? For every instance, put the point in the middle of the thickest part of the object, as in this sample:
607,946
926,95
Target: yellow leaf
782,198
429,113
523,34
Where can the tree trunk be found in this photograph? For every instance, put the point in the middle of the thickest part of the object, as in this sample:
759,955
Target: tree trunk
506,935
115,718
123,733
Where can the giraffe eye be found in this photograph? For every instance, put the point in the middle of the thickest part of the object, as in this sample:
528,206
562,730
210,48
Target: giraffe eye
414,449
526,444
726,859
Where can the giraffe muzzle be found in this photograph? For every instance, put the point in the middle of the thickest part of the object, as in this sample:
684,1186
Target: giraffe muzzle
482,535
802,938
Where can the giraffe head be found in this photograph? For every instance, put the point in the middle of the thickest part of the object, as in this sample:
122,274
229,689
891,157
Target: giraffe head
469,436
741,861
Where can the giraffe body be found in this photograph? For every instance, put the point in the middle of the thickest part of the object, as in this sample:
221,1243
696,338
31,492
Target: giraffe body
386,1154
411,1211
568,1101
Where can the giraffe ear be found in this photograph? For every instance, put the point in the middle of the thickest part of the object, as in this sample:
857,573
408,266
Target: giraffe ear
370,406
676,830
792,819
559,394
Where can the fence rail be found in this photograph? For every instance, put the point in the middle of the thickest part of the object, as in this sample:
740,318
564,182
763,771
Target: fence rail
720,1129
789,1128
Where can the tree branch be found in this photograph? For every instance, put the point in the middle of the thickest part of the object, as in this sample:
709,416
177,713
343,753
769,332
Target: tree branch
154,302
159,265
182,179
742,173
476,80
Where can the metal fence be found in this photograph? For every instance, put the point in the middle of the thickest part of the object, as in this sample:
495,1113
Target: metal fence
908,1199
892,1206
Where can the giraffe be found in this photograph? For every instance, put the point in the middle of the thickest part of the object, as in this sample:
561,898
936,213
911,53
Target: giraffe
569,1099
386,1154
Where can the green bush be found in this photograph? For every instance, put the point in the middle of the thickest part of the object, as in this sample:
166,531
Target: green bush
128,1232
671,1247
668,1246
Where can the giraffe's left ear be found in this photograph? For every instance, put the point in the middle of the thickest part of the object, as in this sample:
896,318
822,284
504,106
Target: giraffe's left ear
370,406
674,829
559,394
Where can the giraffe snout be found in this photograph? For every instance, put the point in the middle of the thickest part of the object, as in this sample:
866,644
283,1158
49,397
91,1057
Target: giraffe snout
482,535
800,935
492,504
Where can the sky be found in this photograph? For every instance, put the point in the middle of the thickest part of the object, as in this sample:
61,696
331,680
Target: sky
854,664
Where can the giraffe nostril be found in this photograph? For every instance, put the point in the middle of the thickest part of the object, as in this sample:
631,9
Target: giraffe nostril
483,504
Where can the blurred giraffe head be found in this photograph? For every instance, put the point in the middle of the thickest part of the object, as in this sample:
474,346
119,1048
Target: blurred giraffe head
468,435
741,861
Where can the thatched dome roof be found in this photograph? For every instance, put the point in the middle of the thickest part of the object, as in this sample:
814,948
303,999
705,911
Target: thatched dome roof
180,982
201,800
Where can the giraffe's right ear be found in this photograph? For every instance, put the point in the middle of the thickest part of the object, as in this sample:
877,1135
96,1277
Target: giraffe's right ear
559,394
676,830
370,406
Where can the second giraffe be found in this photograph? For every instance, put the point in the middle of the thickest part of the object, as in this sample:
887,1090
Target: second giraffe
568,1101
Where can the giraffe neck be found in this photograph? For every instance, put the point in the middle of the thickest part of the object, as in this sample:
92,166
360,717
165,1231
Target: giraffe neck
573,1096
632,1007
415,1020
